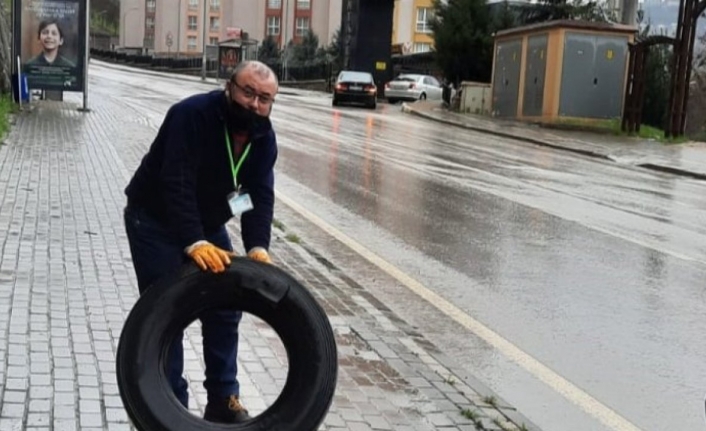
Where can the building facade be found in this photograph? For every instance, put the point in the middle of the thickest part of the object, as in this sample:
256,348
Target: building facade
410,29
170,26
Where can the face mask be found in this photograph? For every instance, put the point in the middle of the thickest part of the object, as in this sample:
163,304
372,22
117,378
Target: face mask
242,118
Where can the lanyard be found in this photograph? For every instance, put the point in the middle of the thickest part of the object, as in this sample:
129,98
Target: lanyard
235,168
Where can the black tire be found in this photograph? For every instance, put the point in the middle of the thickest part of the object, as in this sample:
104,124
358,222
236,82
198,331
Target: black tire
423,96
335,102
260,289
391,101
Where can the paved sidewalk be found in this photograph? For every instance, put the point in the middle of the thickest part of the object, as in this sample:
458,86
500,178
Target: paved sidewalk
66,286
687,159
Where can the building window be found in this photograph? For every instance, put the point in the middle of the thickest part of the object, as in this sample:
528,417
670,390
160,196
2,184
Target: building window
149,22
302,26
191,43
274,4
422,47
193,23
148,42
423,18
215,23
213,41
193,4
303,4
273,25
151,5
215,5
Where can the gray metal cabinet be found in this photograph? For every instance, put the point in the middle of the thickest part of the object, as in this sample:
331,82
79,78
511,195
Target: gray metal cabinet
506,79
535,70
593,72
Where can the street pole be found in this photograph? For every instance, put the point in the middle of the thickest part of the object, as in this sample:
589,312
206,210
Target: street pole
179,31
203,41
87,53
285,50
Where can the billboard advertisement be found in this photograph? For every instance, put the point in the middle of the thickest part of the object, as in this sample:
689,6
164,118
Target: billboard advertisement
228,58
52,43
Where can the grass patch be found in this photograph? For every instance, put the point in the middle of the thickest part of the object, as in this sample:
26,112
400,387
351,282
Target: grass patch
278,224
613,127
474,417
6,108
491,400
293,238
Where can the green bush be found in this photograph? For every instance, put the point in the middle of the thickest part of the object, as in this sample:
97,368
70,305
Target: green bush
6,107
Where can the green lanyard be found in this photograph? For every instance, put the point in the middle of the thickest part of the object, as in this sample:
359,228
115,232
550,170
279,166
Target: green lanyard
233,167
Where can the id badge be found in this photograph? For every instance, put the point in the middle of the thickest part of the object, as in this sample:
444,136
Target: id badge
239,203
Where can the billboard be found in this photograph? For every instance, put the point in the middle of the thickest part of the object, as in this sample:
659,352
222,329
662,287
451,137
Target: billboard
228,58
51,35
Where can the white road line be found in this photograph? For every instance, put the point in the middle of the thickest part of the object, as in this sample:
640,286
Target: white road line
571,392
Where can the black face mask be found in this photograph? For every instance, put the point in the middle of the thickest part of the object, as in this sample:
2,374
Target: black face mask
242,118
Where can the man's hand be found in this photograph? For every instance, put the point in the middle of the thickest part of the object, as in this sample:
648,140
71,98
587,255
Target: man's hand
208,256
259,254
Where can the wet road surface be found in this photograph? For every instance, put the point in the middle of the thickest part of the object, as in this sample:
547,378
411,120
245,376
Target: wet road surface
593,268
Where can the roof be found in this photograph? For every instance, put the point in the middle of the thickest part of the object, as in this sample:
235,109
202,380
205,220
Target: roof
569,24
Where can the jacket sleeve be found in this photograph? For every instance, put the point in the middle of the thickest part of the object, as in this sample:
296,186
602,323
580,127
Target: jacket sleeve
179,172
256,224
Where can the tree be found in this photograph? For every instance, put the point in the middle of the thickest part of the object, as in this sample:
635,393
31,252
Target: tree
462,38
306,51
335,50
505,17
550,10
269,51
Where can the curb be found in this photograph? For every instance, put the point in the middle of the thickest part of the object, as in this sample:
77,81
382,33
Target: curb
649,166
407,109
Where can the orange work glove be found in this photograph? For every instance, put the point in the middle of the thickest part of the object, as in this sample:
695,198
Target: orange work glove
208,256
259,254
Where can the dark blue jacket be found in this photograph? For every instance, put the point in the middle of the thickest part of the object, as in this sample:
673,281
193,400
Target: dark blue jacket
185,178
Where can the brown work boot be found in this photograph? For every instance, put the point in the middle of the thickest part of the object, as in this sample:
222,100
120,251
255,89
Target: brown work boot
226,411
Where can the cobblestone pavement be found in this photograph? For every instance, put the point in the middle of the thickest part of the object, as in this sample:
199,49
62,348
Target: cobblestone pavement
66,286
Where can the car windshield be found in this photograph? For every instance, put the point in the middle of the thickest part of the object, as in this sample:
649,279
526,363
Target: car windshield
408,78
355,77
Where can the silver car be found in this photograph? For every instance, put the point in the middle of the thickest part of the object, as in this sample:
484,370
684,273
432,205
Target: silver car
410,86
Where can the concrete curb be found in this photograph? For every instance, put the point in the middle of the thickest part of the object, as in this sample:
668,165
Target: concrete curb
650,166
407,109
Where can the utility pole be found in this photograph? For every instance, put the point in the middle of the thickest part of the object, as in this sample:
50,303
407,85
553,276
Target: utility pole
179,31
628,12
203,61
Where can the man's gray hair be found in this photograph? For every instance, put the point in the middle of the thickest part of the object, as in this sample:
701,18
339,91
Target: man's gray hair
261,69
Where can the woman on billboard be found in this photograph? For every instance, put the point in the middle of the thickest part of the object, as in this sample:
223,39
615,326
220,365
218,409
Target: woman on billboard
51,37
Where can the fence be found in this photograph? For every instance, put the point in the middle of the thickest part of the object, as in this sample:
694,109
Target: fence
191,65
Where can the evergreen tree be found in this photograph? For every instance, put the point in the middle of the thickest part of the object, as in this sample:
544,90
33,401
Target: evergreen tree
506,17
306,51
550,10
269,51
462,39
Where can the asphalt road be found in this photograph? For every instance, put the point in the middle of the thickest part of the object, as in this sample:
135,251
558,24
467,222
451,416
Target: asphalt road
591,268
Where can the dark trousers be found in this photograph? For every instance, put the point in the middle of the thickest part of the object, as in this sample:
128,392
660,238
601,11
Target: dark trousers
154,255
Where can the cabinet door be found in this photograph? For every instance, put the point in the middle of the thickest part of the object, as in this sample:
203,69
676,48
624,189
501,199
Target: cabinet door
578,79
533,96
506,79
611,62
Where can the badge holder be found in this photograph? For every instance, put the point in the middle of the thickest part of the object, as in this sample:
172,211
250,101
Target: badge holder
239,203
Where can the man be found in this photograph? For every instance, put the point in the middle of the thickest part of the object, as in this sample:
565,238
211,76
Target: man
212,159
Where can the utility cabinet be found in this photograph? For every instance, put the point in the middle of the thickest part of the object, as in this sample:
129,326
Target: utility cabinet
572,69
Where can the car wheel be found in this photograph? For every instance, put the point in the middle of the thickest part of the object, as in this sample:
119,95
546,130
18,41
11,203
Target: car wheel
423,96
335,102
391,101
257,288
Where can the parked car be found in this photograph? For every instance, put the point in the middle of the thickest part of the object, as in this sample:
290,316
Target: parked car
409,86
355,87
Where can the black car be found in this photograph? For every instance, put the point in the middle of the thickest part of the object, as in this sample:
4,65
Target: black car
355,87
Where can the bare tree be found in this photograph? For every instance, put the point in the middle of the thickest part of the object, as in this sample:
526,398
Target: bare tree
5,40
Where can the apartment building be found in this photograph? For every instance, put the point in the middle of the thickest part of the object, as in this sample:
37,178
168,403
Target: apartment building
287,20
410,27
176,25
